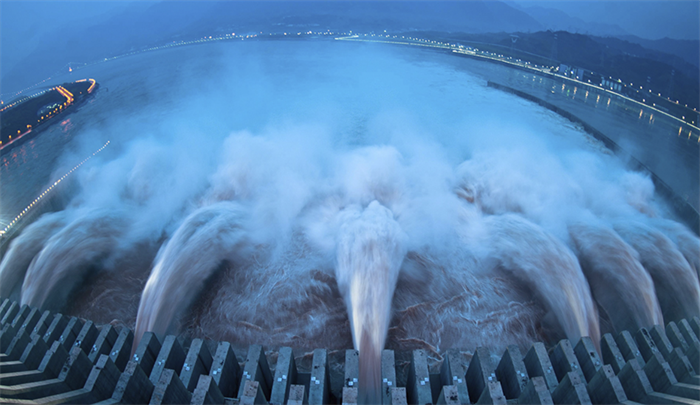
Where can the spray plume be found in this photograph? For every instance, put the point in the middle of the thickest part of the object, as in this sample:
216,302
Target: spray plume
619,284
369,255
22,251
686,242
206,238
546,266
69,256
676,283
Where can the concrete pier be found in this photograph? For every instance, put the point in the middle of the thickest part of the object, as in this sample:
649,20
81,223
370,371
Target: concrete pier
571,390
198,362
225,371
252,394
285,376
418,382
169,356
480,372
103,343
588,358
349,396
681,367
537,364
56,327
611,353
122,348
70,332
207,392
297,395
146,353
56,359
492,394
352,368
257,369
605,388
86,337
133,386
536,392
319,385
511,373
628,347
453,372
448,396
170,390
398,396
389,381
43,323
675,337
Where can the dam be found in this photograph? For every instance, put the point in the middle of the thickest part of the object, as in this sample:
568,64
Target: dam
51,358
275,315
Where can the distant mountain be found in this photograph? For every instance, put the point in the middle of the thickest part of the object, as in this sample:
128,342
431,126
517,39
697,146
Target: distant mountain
650,19
688,50
660,54
144,24
557,20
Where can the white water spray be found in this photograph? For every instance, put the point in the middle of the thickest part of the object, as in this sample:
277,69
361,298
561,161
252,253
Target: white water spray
370,250
546,266
676,283
686,242
619,283
206,238
22,251
69,256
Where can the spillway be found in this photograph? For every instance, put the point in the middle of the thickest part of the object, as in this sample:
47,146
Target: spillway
324,232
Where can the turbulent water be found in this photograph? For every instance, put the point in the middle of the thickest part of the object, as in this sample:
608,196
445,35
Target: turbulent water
318,194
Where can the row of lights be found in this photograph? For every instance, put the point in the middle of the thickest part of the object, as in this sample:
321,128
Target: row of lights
67,94
23,99
29,88
48,190
63,91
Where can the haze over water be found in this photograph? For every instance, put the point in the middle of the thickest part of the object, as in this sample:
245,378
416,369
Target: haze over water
331,194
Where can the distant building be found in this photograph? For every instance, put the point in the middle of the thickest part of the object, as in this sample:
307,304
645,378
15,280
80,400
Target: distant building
572,72
564,70
611,85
